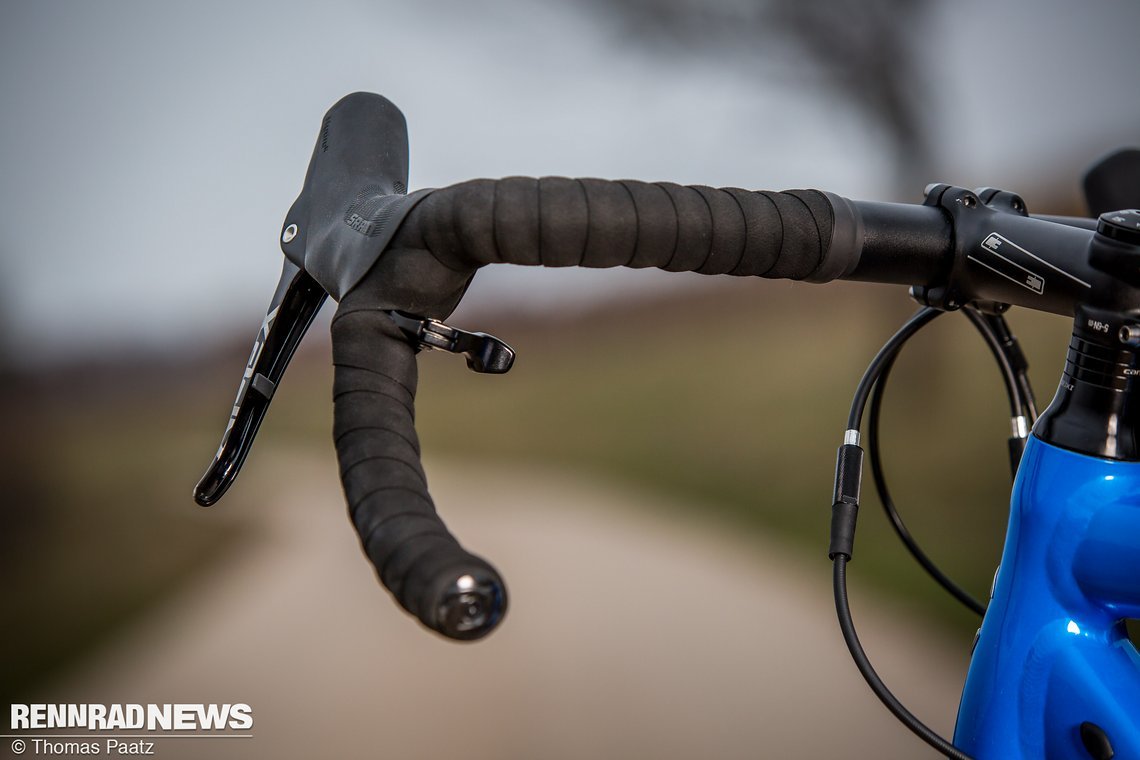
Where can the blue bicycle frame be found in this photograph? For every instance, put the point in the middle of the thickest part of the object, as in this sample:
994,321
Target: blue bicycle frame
1053,654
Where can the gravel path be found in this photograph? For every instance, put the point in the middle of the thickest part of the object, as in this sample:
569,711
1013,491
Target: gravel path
629,636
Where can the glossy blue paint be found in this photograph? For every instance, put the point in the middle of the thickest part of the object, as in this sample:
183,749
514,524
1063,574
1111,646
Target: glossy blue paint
1053,652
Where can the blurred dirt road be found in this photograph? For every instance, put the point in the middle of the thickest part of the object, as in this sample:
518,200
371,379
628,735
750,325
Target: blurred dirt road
630,635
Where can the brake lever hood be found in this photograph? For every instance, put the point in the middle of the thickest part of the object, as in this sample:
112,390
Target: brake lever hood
351,204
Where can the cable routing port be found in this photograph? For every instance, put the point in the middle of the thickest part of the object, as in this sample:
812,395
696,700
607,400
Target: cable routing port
1130,335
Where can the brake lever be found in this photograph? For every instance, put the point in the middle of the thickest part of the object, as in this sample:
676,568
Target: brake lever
485,353
332,263
295,304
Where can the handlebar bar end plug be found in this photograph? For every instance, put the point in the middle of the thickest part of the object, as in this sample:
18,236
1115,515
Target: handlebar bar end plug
471,606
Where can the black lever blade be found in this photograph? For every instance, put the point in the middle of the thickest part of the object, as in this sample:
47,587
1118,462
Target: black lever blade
295,303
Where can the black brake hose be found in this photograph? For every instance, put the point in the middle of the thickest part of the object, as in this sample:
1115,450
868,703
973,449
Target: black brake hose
1012,350
845,507
885,356
1012,387
843,610
1014,368
999,342
845,510
1027,397
889,507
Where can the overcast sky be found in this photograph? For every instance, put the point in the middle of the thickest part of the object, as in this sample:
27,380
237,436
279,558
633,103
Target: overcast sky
151,149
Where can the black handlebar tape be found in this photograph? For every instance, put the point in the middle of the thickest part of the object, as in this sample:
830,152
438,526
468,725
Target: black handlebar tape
554,221
449,589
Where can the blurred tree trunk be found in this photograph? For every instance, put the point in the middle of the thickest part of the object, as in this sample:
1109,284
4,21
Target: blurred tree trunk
860,51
